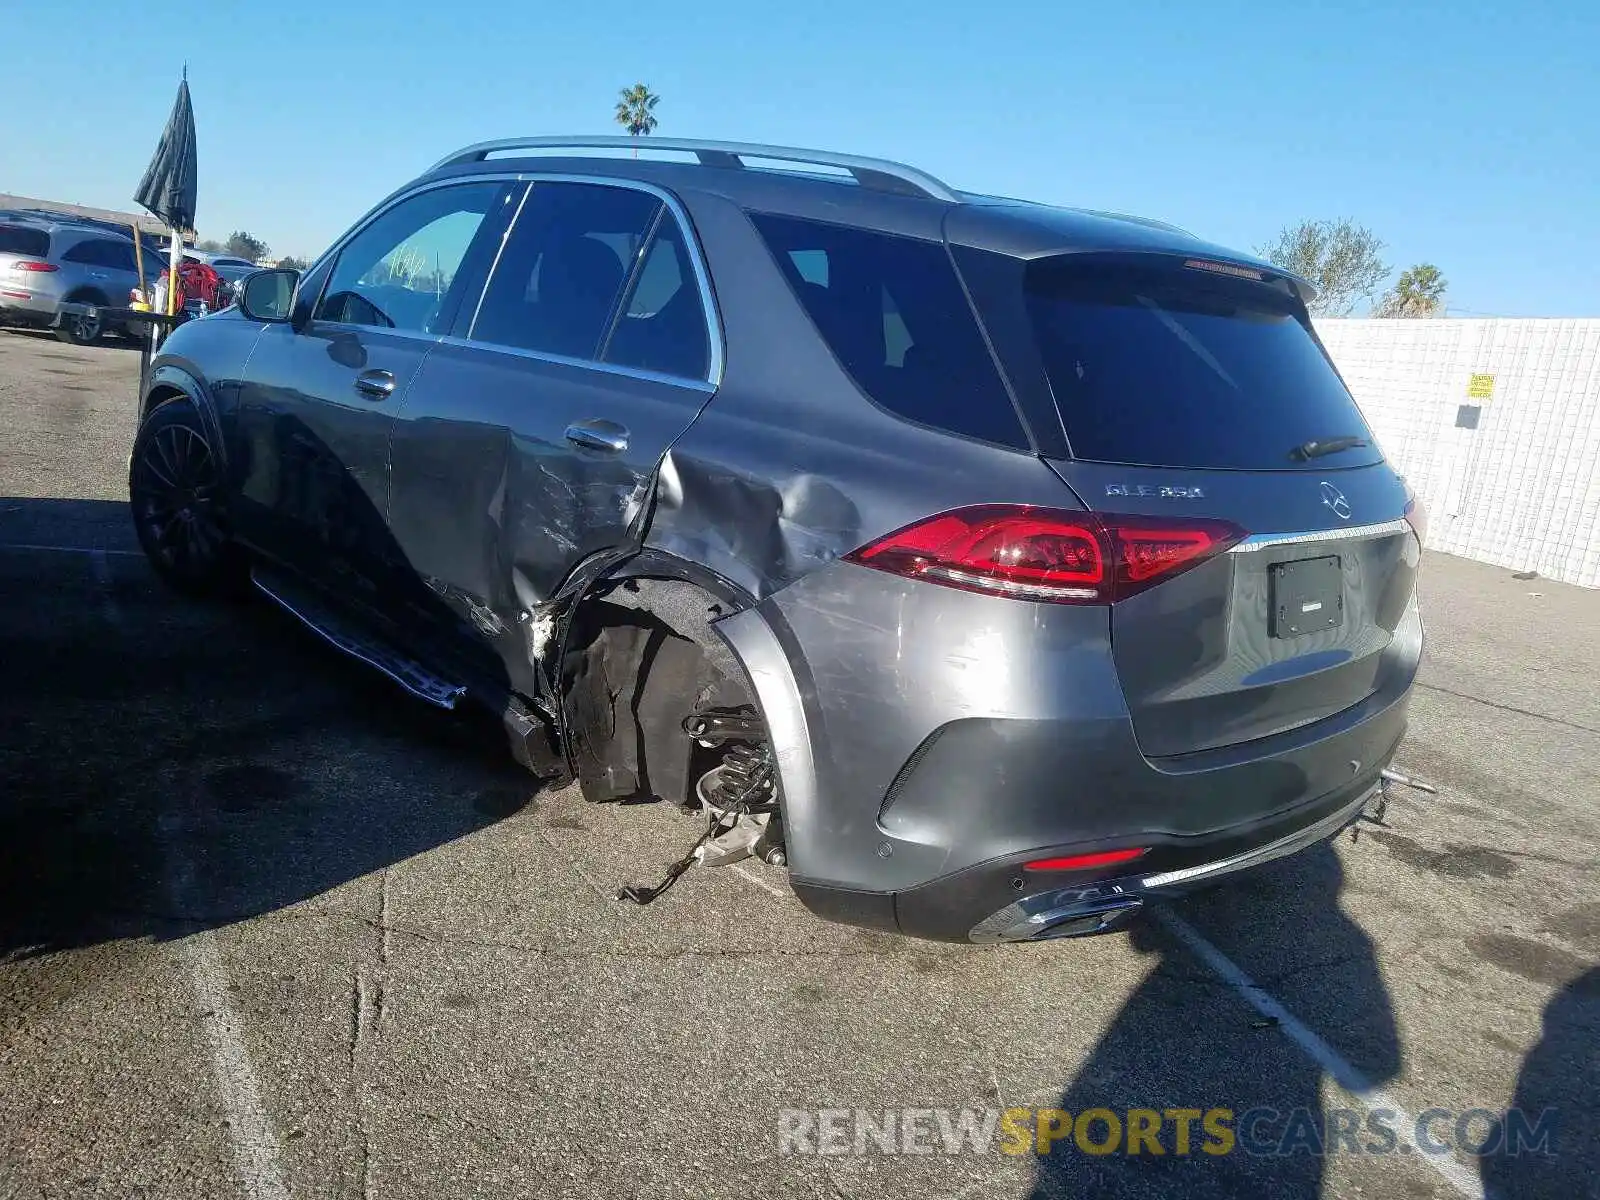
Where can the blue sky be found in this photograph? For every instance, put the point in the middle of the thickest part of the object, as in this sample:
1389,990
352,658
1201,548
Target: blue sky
1463,133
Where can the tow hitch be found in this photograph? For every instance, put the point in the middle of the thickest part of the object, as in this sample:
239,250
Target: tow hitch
1377,807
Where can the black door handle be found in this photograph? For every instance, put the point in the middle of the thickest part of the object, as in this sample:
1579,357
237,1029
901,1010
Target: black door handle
378,385
598,434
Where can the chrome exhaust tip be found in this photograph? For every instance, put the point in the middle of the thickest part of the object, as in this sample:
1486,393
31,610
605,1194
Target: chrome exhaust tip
1076,918
1088,924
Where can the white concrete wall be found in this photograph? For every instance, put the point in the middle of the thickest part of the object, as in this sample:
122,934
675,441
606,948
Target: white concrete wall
1523,489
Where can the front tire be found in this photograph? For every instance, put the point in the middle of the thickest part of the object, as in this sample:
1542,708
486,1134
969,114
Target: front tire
175,493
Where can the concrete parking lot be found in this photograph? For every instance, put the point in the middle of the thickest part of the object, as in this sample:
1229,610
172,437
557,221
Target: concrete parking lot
269,928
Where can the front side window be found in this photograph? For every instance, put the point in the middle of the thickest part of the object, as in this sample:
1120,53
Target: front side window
564,267
398,272
119,255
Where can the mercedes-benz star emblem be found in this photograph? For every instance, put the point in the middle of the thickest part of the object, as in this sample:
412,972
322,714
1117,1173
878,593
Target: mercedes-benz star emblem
1334,499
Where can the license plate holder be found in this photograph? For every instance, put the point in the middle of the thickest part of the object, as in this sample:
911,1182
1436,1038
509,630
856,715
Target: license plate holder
1305,596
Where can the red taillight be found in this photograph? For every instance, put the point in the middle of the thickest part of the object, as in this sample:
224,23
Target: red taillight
26,265
1417,516
1151,549
1079,862
1046,554
1006,550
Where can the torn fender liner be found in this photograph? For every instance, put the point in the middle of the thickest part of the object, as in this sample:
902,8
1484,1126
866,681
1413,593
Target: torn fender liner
633,685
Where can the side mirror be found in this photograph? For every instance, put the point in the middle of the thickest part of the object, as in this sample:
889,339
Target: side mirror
267,295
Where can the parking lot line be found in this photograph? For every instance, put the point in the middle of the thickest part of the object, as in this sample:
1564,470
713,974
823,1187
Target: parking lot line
101,566
759,882
1325,1056
250,1132
68,549
255,1145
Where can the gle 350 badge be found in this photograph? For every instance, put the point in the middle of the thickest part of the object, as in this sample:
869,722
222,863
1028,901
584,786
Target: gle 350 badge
1159,492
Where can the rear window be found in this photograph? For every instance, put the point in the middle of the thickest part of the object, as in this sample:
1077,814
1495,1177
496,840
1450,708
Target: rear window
892,311
19,239
1170,367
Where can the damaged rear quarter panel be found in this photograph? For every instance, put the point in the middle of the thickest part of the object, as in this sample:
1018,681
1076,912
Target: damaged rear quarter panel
856,668
790,466
788,469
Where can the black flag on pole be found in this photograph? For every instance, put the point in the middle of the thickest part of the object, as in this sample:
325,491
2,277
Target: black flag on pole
169,184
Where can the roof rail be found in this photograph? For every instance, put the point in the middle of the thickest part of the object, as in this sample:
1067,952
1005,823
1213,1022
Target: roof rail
875,173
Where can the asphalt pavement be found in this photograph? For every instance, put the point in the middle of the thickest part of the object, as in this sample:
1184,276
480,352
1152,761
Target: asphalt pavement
270,928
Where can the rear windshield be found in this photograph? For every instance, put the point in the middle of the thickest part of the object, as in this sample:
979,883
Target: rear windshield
1172,367
19,239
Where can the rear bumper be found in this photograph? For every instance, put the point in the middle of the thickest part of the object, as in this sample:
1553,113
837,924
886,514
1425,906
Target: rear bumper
915,785
1079,909
1000,901
32,309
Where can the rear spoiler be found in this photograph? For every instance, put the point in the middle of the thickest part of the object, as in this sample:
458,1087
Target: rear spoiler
1223,265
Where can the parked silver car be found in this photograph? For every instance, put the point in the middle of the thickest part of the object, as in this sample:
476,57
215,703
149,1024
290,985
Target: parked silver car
45,264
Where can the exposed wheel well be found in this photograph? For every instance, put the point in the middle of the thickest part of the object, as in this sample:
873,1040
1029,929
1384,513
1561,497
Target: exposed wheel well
641,656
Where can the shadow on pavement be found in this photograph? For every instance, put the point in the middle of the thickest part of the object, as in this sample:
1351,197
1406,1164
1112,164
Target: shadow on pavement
1560,1079
90,524
1186,1040
170,765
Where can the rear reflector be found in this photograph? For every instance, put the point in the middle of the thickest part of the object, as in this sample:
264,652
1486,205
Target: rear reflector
1047,554
17,295
23,265
1078,862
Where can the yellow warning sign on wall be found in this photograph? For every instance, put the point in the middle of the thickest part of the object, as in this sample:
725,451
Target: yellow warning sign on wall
1480,387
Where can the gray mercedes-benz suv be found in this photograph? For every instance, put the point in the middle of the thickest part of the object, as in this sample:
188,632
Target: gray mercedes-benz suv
997,567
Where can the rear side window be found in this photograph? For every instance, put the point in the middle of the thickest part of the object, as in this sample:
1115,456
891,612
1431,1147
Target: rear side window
102,252
563,269
663,325
894,315
19,239
91,253
1170,367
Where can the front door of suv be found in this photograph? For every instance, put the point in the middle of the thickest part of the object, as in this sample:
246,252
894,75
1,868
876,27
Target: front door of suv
529,439
319,394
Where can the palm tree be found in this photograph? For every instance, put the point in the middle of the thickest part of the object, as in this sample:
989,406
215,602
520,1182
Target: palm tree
1419,292
636,111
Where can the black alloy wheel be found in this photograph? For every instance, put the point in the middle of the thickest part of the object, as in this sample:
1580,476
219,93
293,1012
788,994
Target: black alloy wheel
174,487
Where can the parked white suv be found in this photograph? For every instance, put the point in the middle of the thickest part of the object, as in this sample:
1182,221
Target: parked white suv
45,264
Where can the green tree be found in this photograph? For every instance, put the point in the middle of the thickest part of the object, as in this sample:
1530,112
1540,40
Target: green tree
1419,292
636,111
1341,259
292,263
210,246
244,245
